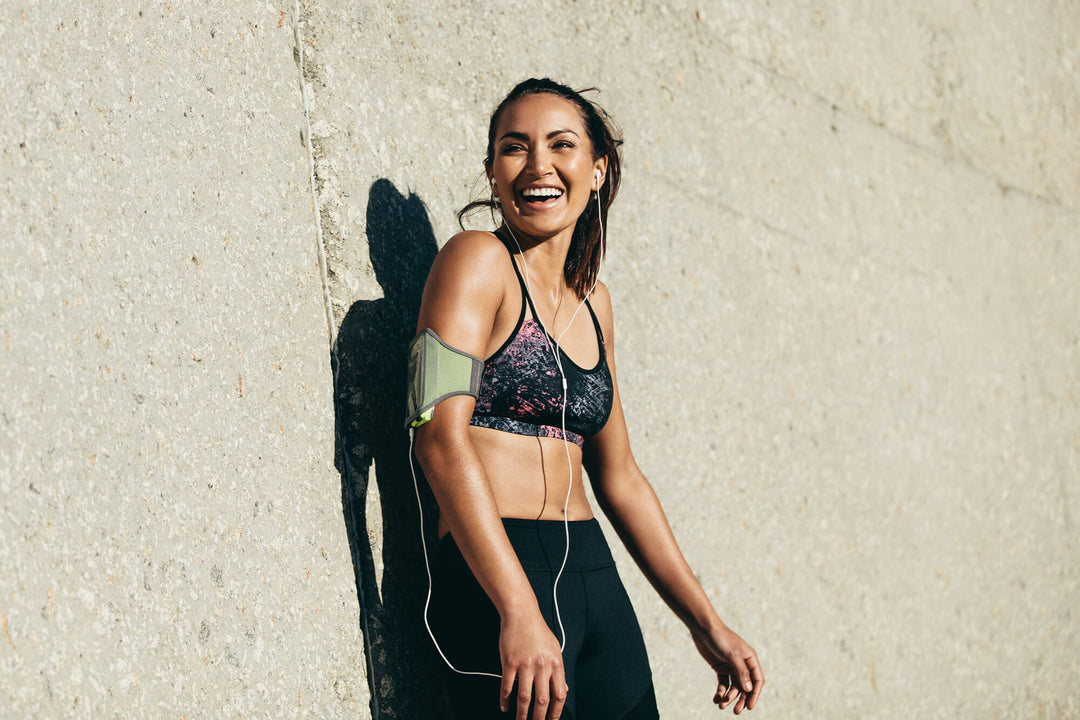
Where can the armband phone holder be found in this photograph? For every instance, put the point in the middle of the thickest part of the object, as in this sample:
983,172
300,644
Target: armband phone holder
436,372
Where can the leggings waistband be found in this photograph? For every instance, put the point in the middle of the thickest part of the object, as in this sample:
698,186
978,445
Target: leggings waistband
540,544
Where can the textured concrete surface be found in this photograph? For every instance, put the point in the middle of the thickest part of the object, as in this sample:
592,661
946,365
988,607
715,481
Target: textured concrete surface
844,271
173,542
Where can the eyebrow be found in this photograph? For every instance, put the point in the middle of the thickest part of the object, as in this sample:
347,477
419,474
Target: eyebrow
523,136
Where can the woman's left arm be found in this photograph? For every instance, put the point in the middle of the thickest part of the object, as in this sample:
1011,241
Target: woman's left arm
634,510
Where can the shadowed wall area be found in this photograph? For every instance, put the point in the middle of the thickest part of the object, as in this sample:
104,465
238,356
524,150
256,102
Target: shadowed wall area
371,354
843,267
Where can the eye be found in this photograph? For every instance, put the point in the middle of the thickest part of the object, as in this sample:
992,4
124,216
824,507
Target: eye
563,144
511,148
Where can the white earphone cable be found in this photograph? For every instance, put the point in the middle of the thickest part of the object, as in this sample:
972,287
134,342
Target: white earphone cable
562,377
566,446
427,567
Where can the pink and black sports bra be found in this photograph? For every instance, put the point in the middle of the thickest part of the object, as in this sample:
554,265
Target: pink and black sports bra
520,390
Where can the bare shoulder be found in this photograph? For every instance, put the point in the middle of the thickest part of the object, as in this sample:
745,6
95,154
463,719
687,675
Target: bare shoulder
601,297
601,304
465,289
471,262
477,250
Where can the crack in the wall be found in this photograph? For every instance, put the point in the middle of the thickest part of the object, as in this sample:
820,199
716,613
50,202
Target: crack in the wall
305,98
347,467
959,159
849,195
715,201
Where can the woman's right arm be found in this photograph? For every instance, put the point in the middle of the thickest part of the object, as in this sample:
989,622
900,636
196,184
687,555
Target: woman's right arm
461,299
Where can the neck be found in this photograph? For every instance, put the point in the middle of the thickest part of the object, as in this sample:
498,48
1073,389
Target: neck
544,258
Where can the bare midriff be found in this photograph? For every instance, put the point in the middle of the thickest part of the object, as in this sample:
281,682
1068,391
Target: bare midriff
529,476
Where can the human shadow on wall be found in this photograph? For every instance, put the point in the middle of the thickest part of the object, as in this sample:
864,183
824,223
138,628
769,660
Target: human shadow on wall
369,401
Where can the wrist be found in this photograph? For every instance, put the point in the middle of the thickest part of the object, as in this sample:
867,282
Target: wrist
708,623
518,607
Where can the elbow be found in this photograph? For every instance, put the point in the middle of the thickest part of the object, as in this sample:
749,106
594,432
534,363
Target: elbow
623,490
426,447
437,444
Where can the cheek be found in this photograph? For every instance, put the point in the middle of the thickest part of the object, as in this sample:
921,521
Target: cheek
585,171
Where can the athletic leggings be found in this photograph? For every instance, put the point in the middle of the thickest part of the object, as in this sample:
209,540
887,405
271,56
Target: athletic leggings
606,667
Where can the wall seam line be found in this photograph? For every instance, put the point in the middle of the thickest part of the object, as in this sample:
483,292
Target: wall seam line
349,471
1006,186
320,243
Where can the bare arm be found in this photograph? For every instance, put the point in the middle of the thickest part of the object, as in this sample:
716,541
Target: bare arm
633,508
460,303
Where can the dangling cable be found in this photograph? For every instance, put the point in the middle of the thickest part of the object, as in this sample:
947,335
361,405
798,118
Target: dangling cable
427,567
555,350
566,443
562,377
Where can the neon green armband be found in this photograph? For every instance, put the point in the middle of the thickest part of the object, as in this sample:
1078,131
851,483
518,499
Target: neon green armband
436,372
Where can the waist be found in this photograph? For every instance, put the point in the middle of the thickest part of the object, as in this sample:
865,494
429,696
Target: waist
540,544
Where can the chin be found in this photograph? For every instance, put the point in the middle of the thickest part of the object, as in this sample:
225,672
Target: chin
542,226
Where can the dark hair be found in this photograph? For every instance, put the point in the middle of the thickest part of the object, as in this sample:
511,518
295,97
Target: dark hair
587,247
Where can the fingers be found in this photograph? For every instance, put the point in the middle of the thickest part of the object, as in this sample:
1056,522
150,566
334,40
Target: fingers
533,672
758,678
524,696
541,698
727,693
549,695
559,697
745,690
559,690
506,688
546,695
723,684
743,684
740,704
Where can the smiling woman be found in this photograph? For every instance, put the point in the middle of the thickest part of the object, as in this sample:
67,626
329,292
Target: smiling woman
547,174
587,243
526,606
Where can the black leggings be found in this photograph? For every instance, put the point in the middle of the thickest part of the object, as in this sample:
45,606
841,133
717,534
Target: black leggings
606,667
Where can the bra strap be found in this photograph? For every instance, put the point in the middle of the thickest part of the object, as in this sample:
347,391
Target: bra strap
524,288
532,308
596,324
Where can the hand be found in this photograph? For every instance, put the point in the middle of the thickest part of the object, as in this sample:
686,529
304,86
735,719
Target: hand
738,672
531,655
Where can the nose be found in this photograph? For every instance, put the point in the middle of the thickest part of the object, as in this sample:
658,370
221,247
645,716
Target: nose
539,162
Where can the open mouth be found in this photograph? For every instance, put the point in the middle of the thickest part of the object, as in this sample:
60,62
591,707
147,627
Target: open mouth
539,197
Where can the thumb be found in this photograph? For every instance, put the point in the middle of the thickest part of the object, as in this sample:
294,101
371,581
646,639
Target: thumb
743,672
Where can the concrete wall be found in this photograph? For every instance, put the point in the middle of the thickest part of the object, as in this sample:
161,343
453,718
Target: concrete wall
844,271
173,541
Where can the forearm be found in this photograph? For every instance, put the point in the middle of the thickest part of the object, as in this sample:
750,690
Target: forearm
461,488
639,519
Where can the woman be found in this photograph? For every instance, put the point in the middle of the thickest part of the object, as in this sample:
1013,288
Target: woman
526,607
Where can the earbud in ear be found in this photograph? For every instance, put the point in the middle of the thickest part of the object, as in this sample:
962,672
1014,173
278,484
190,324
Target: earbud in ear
599,180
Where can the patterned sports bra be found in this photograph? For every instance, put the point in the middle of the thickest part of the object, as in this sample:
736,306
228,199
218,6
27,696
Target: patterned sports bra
520,390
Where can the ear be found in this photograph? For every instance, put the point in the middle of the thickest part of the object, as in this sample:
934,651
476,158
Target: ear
600,173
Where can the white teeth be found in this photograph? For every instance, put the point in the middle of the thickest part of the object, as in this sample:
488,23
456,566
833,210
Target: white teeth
541,192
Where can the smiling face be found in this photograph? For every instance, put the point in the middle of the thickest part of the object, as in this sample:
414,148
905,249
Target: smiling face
543,165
